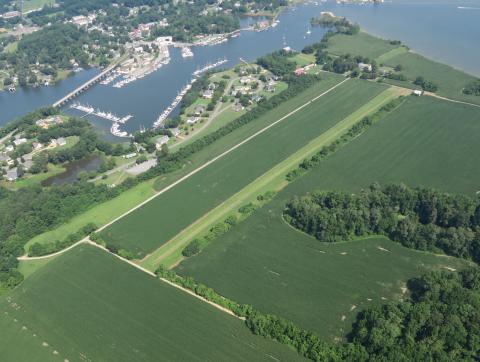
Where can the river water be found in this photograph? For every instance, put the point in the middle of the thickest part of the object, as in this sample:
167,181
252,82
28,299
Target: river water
447,31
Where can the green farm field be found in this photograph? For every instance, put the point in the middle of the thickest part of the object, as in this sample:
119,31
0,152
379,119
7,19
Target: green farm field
450,81
426,142
108,211
265,262
170,254
87,305
158,221
362,44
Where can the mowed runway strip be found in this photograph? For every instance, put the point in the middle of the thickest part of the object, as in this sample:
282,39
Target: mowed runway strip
273,180
156,222
88,305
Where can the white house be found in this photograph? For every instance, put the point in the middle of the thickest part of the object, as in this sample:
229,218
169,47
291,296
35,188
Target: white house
161,141
192,120
61,141
365,67
417,92
208,94
19,141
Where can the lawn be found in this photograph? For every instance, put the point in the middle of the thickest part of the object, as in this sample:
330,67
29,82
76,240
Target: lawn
266,263
29,5
362,44
273,180
303,59
88,305
108,211
11,47
155,223
450,81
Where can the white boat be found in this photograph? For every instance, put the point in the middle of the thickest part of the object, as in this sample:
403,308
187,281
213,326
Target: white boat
187,52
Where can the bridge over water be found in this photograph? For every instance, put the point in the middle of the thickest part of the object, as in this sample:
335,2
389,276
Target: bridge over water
85,86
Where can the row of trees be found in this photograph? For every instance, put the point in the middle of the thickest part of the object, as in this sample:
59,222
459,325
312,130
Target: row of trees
308,344
419,218
441,322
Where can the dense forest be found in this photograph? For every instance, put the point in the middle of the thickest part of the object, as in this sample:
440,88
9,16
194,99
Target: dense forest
419,218
278,63
441,321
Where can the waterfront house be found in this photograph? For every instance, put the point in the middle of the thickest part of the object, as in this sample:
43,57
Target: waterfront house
175,131
161,141
208,94
192,120
199,110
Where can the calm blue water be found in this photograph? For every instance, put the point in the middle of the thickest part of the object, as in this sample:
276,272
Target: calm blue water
440,30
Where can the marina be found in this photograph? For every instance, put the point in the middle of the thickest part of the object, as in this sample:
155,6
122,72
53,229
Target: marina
147,96
163,116
115,128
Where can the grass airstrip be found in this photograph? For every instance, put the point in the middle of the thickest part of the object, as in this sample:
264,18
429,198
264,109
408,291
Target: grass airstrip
87,305
273,180
150,226
266,263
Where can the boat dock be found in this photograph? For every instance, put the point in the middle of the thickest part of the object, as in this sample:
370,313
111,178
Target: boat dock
163,116
117,121
209,66
96,112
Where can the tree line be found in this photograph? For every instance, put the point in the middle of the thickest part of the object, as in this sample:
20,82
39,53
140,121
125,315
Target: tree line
419,218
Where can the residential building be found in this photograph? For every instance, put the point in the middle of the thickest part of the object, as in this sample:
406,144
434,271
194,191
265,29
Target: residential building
175,131
365,67
192,120
208,94
161,141
19,141
12,174
61,141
